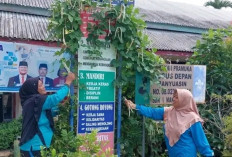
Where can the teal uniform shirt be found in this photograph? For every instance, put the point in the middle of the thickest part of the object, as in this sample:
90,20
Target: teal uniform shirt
191,141
51,102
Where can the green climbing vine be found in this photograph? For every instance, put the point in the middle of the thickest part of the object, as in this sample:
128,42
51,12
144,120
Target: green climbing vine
123,28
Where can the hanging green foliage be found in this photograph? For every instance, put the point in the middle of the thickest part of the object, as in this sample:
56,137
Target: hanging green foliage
122,27
125,30
228,130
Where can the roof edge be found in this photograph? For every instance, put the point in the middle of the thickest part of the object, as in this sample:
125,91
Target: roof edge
177,28
25,9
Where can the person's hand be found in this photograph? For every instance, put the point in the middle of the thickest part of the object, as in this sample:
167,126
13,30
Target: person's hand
71,76
129,104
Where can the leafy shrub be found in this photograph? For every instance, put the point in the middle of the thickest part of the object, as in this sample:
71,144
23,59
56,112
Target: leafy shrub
131,140
215,51
64,140
228,130
85,146
131,132
67,144
8,133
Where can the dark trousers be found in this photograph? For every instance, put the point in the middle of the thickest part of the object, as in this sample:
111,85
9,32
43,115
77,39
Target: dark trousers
27,153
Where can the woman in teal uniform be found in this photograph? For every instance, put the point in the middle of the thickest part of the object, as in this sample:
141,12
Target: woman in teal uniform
184,135
37,128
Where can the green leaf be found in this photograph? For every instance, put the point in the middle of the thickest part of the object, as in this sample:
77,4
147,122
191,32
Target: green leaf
70,18
53,153
139,69
54,22
129,65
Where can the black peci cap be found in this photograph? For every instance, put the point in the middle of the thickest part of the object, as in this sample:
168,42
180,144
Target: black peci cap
43,65
23,63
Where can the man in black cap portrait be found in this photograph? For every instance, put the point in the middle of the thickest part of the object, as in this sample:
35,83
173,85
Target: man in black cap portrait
43,70
19,79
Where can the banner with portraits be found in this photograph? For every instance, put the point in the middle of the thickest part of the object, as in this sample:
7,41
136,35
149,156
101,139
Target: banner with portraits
19,62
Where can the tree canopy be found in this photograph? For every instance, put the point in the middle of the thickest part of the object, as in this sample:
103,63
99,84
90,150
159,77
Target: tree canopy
218,4
215,50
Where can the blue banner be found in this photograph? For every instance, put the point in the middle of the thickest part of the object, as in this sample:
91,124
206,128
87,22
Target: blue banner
19,62
96,116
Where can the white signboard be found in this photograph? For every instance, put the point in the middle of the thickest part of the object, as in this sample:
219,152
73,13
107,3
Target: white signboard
178,76
96,62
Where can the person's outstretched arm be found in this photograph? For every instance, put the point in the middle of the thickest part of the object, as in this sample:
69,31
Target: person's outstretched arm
153,113
55,99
